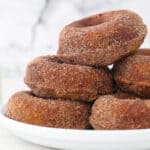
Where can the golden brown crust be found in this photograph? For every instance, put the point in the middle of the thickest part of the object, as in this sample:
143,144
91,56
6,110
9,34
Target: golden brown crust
120,111
133,73
49,77
58,113
102,39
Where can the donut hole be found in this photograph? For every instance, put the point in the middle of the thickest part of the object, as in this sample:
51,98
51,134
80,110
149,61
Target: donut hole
90,21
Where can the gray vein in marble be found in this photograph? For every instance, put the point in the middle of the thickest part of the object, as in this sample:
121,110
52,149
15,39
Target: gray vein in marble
39,20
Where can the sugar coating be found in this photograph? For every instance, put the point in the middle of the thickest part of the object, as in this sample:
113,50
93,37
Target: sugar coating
133,73
25,107
120,111
48,76
102,39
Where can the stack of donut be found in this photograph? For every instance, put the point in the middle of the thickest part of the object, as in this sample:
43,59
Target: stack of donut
76,89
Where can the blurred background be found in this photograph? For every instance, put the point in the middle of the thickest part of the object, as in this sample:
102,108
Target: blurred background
29,28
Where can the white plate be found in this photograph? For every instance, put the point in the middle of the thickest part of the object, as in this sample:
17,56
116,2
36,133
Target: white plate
79,139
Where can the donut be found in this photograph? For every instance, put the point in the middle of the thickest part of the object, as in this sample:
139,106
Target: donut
58,113
102,39
48,77
120,111
132,74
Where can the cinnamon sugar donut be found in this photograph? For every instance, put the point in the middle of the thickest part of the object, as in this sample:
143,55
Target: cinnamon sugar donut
58,113
102,39
49,77
133,73
120,111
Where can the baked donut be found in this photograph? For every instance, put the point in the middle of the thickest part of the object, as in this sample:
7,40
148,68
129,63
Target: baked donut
133,73
102,39
58,113
49,77
120,111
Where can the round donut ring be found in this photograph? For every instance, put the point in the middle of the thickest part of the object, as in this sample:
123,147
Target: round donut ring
133,73
58,113
102,39
49,77
120,111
